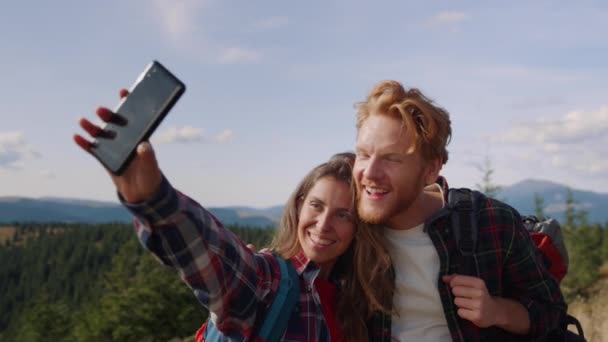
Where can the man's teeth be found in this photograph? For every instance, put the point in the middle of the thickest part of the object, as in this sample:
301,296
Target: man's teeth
321,241
375,191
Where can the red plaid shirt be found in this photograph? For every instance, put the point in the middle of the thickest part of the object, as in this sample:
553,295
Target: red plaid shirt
508,262
235,284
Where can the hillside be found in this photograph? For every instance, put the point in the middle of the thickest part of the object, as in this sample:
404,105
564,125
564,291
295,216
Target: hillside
519,195
592,313
20,209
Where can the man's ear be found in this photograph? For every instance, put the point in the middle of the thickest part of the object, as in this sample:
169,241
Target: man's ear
433,168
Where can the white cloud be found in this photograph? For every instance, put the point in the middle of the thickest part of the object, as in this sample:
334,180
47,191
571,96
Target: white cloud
48,174
184,134
189,134
14,150
537,102
449,19
590,162
574,127
224,137
178,17
239,55
551,148
519,73
271,23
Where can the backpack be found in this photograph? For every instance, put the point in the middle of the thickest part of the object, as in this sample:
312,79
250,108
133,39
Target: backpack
275,321
545,234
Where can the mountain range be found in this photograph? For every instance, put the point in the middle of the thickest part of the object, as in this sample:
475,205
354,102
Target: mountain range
519,195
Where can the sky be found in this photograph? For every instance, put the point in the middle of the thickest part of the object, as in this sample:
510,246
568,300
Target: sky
271,88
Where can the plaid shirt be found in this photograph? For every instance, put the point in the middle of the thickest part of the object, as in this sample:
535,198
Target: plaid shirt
509,263
235,284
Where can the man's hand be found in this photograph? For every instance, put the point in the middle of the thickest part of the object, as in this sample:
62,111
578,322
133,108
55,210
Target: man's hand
141,179
473,300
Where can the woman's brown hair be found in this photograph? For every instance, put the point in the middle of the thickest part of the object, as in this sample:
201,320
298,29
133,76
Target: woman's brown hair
362,271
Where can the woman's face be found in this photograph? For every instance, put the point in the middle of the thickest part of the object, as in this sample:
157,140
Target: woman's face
326,224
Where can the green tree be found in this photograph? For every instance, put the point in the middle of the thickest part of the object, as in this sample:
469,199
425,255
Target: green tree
539,206
604,249
487,185
142,301
45,321
584,248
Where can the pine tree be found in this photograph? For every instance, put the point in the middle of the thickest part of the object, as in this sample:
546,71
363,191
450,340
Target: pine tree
487,186
539,206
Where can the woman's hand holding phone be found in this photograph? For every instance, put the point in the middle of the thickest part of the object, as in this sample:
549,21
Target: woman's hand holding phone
141,178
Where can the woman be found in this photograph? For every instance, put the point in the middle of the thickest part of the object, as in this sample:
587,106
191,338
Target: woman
341,263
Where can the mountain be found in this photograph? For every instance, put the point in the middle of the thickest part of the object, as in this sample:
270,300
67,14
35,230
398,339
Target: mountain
21,209
65,210
521,197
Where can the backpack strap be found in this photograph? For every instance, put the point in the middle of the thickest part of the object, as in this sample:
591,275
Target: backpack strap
283,304
463,207
277,317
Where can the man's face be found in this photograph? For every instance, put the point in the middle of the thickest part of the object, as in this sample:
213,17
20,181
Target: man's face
388,175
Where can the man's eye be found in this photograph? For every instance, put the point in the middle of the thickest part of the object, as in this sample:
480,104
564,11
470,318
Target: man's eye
315,205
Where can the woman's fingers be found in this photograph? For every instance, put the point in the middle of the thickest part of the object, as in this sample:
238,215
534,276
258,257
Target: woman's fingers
89,127
104,114
123,92
82,142
108,116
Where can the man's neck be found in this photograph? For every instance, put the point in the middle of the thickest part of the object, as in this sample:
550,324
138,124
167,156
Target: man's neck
428,202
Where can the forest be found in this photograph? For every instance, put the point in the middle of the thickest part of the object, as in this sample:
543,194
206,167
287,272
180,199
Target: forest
94,282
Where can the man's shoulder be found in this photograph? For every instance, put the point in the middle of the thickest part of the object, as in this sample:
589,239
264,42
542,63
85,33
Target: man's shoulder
491,209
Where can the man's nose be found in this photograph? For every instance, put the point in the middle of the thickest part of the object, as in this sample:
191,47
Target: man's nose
372,169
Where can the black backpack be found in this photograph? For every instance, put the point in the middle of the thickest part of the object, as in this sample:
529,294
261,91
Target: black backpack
463,207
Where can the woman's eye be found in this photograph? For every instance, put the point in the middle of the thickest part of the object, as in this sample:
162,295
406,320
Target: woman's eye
345,216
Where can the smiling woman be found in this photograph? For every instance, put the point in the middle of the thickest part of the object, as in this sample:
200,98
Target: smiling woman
325,246
320,234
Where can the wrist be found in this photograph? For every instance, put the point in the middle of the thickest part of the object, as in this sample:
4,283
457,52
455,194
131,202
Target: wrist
500,317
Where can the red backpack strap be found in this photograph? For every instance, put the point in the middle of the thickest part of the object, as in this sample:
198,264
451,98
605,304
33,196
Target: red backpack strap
200,333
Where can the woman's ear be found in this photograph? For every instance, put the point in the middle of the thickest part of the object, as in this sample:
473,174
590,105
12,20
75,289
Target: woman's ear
299,202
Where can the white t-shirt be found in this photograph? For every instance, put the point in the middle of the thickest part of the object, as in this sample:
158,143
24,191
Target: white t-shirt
416,298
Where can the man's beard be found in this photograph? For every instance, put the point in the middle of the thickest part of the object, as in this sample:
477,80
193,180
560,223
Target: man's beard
384,213
377,215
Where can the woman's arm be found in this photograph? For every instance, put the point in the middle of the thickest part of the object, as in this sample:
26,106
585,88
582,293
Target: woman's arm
226,276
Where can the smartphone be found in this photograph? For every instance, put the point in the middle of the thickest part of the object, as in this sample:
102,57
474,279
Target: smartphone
137,115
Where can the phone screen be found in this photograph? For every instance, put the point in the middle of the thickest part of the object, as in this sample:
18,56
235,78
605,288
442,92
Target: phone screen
151,97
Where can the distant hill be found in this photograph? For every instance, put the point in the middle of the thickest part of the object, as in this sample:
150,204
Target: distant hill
21,209
519,195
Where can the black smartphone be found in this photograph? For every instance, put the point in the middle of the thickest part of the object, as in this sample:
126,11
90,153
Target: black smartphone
136,117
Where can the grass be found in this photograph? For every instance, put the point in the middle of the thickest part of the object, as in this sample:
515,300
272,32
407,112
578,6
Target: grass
6,233
604,270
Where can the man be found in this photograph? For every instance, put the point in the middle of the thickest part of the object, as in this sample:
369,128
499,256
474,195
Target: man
401,147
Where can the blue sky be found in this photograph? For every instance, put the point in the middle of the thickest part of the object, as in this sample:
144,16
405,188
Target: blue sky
271,88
